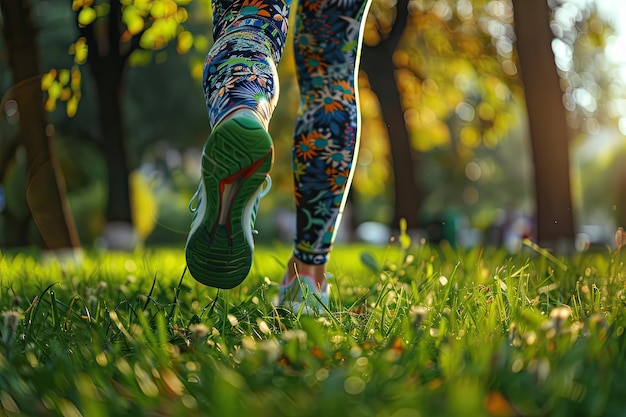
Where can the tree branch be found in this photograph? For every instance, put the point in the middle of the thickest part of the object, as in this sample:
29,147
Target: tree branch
115,27
391,41
402,17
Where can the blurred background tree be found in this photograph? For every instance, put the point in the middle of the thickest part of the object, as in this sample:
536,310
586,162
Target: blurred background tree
549,135
42,197
113,35
385,29
458,88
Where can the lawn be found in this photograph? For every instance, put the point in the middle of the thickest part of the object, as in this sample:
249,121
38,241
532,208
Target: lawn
418,331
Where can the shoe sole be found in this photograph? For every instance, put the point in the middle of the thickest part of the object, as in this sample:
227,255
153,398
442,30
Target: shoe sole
235,161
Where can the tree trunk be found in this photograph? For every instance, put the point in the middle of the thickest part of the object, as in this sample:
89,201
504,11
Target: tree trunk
45,191
108,64
109,86
375,62
547,121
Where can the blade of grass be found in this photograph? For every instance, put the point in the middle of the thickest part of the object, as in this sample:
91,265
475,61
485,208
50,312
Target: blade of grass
176,294
53,305
545,253
151,292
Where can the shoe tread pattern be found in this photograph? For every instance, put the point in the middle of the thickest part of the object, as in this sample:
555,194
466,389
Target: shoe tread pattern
239,151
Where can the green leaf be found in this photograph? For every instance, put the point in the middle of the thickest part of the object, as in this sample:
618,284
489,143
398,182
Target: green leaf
185,42
64,76
72,106
55,90
79,50
86,16
139,58
47,79
370,262
134,21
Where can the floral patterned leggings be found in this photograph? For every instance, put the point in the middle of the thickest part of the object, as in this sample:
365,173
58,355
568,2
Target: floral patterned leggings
240,73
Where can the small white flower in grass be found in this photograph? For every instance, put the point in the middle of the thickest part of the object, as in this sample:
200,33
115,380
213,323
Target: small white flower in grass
296,339
101,359
248,343
419,313
530,338
198,331
443,281
323,320
11,320
263,327
233,320
560,313
576,327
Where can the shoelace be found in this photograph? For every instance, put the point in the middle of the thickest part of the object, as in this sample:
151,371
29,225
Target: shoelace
267,185
196,196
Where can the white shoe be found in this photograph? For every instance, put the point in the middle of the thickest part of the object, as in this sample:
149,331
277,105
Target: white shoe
302,289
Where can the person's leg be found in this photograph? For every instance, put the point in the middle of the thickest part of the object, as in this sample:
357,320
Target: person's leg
241,90
328,41
240,69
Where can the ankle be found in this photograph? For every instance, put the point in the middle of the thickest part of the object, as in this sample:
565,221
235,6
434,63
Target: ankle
296,267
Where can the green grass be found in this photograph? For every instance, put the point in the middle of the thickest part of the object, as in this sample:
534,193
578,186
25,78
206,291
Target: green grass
430,331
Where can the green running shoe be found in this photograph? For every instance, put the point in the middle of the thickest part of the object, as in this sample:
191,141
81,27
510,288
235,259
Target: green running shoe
236,160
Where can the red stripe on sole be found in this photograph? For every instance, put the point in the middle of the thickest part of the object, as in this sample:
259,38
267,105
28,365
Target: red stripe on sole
243,174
